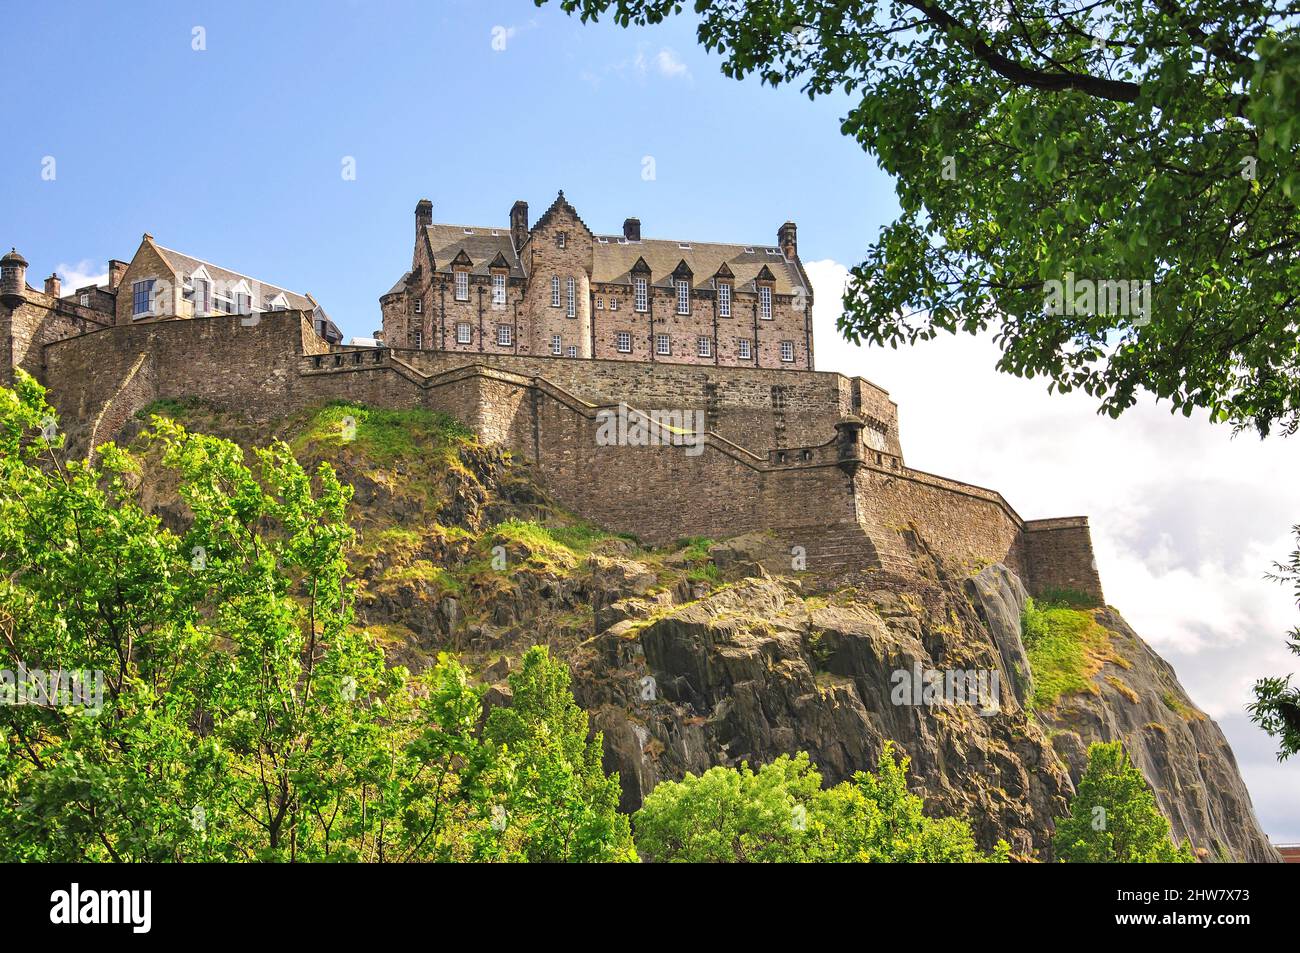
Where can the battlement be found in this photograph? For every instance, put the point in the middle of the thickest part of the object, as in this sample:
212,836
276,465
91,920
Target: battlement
814,457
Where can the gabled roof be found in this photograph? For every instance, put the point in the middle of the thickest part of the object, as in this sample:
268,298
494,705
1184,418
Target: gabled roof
479,245
560,203
615,259
184,264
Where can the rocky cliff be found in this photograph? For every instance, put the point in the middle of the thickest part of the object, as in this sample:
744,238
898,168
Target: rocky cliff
717,652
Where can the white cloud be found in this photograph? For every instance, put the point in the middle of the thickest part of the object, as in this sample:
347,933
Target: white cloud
669,65
79,275
1185,518
664,63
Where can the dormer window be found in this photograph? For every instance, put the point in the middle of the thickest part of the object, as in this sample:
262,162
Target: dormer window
202,296
640,294
724,299
142,297
85,301
462,286
243,302
683,296
555,291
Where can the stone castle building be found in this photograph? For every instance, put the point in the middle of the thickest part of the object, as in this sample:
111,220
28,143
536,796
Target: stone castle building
558,289
534,337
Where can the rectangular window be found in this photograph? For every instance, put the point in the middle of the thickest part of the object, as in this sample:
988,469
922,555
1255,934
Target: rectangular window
462,286
570,351
557,345
419,339
742,349
683,296
555,291
202,297
85,301
765,303
724,300
499,291
571,287
505,335
600,303
704,346
561,239
419,306
142,296
787,351
640,296
243,303
623,341
613,304
663,344
464,334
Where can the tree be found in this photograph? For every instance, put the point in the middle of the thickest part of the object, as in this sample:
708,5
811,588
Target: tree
243,716
781,814
1113,817
1100,145
554,801
1276,708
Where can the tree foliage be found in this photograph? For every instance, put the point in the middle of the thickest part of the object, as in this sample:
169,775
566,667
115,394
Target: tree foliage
1276,707
781,814
1115,141
244,715
1113,817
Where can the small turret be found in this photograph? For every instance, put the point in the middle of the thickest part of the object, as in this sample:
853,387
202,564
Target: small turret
13,278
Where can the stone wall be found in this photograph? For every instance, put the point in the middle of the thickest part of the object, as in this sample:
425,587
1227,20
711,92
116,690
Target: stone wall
810,470
39,320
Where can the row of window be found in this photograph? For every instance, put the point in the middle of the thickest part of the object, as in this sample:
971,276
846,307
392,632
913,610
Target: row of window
201,295
622,341
641,297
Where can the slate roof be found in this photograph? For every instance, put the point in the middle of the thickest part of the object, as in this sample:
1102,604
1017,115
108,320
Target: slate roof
187,264
480,245
614,258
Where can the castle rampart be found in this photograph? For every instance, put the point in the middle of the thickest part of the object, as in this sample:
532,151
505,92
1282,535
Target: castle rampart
787,469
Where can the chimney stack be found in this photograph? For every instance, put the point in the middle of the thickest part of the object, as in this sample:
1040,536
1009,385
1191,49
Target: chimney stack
787,240
423,215
116,272
632,229
13,278
53,286
519,223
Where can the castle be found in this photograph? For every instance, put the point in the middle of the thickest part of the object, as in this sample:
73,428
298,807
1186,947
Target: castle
533,337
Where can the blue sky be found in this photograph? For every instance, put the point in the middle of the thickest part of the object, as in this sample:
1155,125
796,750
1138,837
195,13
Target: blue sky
234,154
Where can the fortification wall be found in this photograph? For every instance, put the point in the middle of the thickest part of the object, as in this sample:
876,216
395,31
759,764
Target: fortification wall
546,410
739,402
38,321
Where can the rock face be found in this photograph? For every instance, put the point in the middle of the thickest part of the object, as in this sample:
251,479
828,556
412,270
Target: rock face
715,653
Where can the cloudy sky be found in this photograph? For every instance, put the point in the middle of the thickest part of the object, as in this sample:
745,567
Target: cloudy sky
223,129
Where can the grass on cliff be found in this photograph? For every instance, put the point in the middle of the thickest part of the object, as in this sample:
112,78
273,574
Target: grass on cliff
1066,647
383,436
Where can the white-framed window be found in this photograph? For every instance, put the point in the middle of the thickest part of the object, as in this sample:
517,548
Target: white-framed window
561,239
613,304
498,291
742,349
683,296
623,341
663,344
505,335
419,339
600,303
570,351
787,351
704,346
462,286
724,300
419,306
640,294
85,301
765,303
464,333
142,297
555,291
557,345
571,291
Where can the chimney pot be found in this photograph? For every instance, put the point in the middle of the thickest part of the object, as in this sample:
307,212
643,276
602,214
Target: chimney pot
787,239
116,272
632,229
53,286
